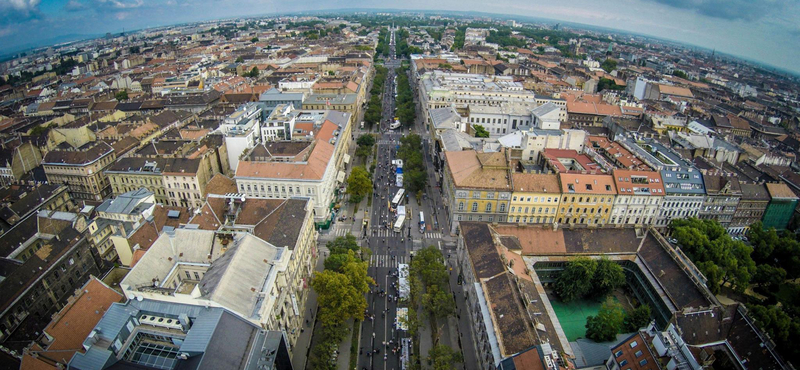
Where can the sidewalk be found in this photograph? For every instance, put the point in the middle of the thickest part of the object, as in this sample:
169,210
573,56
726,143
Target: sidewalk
343,361
464,325
302,347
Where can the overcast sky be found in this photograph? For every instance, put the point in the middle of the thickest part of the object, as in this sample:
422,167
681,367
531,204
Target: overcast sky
763,30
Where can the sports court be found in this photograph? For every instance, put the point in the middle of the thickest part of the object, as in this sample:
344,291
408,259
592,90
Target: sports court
572,316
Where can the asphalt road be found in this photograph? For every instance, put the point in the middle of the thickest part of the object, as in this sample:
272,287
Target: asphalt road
389,248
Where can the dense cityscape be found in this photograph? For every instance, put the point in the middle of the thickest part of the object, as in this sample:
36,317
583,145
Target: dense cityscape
396,191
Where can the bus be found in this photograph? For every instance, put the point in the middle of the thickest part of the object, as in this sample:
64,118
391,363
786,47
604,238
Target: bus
421,222
398,225
398,198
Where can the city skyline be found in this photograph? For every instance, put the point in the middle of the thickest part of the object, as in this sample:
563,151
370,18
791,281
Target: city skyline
764,32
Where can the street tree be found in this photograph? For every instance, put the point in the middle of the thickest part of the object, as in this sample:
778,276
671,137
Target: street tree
121,95
605,325
607,276
336,262
367,140
576,279
358,184
342,244
438,301
429,264
338,296
443,357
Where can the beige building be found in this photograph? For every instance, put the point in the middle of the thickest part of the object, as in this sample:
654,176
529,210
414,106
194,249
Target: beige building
82,169
477,187
535,198
262,276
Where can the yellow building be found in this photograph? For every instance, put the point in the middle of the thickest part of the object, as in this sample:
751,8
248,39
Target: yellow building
586,199
82,170
477,187
535,198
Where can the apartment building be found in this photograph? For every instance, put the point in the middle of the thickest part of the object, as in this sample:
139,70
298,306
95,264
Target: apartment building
42,284
639,197
81,169
242,130
174,181
683,183
132,173
477,187
301,168
287,222
535,198
781,206
254,279
722,197
116,219
152,334
70,326
587,199
751,208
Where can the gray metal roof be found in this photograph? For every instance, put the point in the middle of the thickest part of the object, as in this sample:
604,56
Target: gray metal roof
216,332
125,203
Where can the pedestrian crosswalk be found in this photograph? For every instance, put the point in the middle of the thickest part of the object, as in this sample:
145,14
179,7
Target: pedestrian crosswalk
433,235
385,260
384,233
341,229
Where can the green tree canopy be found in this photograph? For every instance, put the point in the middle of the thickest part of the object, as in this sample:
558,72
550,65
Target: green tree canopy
480,131
637,318
721,259
443,357
576,279
254,40
609,65
358,184
366,140
772,320
341,295
606,324
121,95
336,262
438,301
607,276
343,244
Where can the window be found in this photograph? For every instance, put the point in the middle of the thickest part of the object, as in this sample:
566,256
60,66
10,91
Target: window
488,207
643,362
475,207
623,363
502,207
634,344
460,206
638,353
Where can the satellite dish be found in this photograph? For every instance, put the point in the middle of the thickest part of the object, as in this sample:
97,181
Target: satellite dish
139,298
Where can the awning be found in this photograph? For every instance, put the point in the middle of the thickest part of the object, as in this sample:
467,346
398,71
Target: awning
340,176
346,158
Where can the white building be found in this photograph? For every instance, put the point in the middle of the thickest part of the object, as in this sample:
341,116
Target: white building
242,130
237,271
279,125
